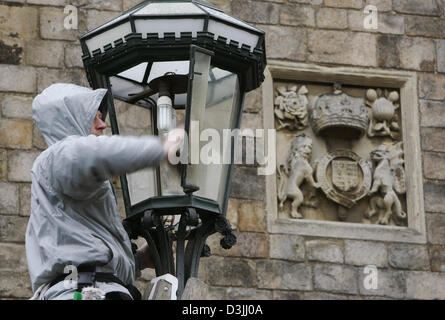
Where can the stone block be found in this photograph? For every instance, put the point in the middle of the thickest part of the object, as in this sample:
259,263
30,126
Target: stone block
406,53
435,226
386,22
365,253
325,251
355,4
252,216
55,3
12,257
256,12
228,272
148,274
25,199
15,284
437,256
18,21
195,289
45,53
73,56
20,164
417,54
47,77
128,4
13,229
251,122
3,165
434,199
112,5
440,53
286,295
37,139
432,86
434,165
17,78
14,106
323,296
335,278
232,212
419,7
311,2
15,134
248,244
389,284
96,18
253,101
297,16
294,48
254,190
432,139
382,5
9,198
275,274
330,18
248,294
287,247
11,50
52,25
341,47
425,26
425,285
216,293
412,257
432,114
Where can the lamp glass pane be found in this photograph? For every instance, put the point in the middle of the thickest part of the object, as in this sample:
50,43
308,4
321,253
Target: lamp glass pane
169,8
161,26
136,73
159,69
136,121
109,36
232,33
213,114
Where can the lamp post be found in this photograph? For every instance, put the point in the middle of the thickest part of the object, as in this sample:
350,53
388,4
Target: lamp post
175,58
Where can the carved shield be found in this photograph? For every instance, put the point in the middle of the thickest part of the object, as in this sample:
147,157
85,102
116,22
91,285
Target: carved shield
345,175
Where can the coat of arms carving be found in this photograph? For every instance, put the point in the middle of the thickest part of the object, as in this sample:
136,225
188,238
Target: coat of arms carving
347,155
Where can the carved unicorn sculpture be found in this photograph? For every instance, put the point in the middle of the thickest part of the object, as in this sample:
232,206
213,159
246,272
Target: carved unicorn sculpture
388,178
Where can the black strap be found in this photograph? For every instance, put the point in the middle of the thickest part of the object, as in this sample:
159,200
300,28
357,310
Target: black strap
87,277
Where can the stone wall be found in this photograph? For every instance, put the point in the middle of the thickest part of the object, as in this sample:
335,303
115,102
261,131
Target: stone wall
36,50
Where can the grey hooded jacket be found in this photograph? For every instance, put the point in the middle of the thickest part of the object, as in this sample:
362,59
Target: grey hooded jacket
74,217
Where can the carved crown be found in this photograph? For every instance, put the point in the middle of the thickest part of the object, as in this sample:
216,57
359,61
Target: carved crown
339,115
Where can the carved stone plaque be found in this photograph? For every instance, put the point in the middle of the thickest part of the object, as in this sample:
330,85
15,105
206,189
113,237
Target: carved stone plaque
354,180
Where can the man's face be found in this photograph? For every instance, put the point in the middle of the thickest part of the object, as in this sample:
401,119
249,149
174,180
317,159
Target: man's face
98,125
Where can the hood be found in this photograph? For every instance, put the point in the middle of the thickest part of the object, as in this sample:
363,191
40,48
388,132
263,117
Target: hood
65,109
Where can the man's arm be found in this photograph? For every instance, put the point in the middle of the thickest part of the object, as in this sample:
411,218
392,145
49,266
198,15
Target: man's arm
79,165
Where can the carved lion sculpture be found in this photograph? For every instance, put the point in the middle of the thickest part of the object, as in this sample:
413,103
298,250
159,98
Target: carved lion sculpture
388,178
294,172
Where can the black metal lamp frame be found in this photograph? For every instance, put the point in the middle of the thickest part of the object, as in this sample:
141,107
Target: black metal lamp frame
200,217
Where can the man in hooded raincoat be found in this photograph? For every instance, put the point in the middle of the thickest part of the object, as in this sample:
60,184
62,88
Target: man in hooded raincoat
74,217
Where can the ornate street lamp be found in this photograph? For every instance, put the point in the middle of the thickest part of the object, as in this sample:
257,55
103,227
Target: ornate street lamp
180,61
